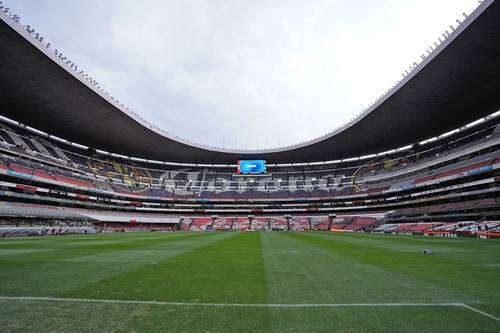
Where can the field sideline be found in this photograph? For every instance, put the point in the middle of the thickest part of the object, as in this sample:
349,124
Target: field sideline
249,282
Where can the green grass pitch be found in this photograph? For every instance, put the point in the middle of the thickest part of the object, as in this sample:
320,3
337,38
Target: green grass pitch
249,282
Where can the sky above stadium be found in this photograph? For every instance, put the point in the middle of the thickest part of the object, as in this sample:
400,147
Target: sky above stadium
245,74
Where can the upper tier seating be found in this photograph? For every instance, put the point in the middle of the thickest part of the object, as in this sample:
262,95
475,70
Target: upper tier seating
309,182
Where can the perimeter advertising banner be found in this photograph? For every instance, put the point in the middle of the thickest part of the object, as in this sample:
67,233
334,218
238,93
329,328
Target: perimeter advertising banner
251,166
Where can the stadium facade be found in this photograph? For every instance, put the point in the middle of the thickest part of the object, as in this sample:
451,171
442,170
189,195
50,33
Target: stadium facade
423,158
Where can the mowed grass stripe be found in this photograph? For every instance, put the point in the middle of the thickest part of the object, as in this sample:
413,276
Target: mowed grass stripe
455,248
63,269
56,241
216,273
67,247
454,263
320,274
447,276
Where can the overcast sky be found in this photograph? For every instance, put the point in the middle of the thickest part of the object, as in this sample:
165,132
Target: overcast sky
239,73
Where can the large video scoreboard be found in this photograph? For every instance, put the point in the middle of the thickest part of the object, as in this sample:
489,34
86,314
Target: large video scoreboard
251,166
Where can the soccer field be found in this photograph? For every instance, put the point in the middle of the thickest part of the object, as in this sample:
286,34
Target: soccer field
249,282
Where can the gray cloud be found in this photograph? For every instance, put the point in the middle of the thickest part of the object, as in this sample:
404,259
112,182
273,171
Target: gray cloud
250,74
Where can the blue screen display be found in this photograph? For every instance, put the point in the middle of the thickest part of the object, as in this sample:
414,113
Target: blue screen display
252,166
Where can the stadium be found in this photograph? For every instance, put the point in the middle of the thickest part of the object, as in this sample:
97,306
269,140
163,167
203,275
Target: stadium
388,223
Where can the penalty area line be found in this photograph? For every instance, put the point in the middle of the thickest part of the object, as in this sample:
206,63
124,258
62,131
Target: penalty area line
486,314
250,305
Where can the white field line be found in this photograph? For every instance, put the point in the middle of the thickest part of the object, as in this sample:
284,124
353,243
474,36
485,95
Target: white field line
486,314
250,305
257,305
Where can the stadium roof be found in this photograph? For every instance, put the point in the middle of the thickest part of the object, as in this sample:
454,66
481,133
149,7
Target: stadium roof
457,83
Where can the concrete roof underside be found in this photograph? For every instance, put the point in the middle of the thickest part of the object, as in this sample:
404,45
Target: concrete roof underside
459,84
